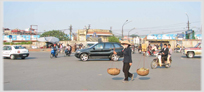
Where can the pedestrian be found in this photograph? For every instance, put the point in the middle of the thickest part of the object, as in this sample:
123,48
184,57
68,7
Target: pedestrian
160,45
133,48
75,47
169,54
127,62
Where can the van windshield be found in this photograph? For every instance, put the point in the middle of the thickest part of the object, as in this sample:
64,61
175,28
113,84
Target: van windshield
197,45
19,47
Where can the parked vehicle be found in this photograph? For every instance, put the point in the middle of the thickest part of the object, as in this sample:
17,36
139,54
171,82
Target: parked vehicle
193,51
102,50
15,51
155,62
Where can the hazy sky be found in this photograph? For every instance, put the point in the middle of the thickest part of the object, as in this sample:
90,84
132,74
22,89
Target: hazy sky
154,17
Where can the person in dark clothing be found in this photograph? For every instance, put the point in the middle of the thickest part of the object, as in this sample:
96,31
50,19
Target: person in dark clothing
164,52
139,47
161,45
127,62
133,48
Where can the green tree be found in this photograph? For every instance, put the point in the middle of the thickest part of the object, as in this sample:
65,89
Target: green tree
133,35
56,33
113,39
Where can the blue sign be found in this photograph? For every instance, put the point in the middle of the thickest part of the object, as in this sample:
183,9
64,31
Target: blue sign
14,37
27,37
159,36
10,36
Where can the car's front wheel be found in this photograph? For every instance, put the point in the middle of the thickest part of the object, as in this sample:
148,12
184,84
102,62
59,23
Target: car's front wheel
22,57
84,57
12,57
190,55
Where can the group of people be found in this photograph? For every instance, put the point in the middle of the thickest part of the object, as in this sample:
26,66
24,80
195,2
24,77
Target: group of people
127,61
166,54
58,47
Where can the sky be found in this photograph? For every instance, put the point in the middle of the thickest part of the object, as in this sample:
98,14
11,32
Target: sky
146,17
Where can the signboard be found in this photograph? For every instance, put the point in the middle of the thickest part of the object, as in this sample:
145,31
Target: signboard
14,37
20,37
198,36
159,36
162,36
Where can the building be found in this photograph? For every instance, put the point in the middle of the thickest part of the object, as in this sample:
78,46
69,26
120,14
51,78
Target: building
93,34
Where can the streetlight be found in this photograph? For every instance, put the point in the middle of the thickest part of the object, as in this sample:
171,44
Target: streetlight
188,20
126,22
129,32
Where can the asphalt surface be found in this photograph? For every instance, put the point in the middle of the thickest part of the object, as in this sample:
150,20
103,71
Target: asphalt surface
39,72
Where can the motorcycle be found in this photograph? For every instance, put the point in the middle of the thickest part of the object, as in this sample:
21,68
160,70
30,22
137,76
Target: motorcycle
155,62
67,53
151,52
53,54
177,50
140,51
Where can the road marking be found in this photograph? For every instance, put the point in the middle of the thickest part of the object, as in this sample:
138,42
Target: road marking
100,74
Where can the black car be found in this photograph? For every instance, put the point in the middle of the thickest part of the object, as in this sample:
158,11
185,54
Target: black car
102,50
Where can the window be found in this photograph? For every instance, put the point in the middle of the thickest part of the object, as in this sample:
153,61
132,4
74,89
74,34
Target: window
18,47
8,47
108,46
5,48
117,45
199,46
99,46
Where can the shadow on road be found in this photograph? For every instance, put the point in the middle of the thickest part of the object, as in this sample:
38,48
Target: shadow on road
144,78
102,60
121,78
118,78
195,57
21,59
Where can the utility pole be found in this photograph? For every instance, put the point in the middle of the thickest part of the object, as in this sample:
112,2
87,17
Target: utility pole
70,28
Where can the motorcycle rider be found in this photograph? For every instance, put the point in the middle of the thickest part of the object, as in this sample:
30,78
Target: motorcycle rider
139,47
154,48
164,53
169,54
55,49
68,49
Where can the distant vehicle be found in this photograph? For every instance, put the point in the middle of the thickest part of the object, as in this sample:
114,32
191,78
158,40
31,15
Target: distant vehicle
15,51
193,51
100,50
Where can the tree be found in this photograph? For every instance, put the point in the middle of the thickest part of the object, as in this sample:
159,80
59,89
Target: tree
133,35
113,39
56,33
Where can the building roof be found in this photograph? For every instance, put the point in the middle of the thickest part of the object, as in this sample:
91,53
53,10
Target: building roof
99,33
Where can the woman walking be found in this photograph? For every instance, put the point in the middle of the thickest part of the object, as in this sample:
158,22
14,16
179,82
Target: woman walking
127,62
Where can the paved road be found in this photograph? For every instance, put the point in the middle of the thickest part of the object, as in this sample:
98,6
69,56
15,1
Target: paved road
39,72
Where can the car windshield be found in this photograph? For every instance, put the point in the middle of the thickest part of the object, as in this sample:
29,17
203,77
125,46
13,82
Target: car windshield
92,46
89,45
197,45
19,47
